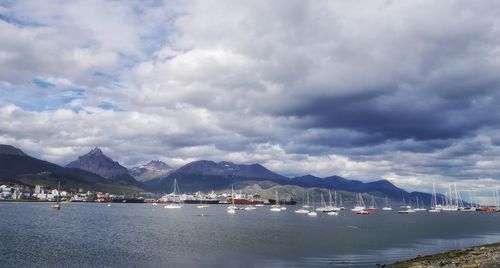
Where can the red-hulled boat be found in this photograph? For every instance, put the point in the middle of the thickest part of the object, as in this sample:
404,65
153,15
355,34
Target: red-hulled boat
242,201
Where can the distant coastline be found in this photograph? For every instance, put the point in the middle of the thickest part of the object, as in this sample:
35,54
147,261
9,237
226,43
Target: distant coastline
487,255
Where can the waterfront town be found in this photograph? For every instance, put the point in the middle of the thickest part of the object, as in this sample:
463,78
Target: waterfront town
42,193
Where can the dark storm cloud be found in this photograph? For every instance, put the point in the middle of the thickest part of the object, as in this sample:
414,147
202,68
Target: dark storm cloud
425,114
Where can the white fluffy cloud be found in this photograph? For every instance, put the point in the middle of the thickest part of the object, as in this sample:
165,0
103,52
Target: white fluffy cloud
405,91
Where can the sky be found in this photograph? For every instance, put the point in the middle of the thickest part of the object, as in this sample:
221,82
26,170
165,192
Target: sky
406,91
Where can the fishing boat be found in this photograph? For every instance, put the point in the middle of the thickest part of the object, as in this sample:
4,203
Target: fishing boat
176,194
57,206
363,212
387,207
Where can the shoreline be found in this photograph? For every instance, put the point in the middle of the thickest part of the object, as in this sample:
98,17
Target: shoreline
487,255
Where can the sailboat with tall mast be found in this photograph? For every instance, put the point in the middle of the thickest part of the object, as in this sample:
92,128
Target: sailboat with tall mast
312,213
175,195
322,208
387,207
276,207
331,209
419,206
57,206
373,207
435,207
304,209
360,204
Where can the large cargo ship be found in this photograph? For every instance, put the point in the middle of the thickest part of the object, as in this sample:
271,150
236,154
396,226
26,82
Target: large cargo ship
201,201
244,201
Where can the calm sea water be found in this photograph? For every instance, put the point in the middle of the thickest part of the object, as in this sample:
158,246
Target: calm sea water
139,235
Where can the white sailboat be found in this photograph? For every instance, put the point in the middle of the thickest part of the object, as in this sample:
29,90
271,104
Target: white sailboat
406,208
312,213
387,207
232,208
176,194
276,207
340,199
419,207
304,209
434,205
360,204
322,208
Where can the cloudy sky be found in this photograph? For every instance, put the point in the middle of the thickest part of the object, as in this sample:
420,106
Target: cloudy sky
408,91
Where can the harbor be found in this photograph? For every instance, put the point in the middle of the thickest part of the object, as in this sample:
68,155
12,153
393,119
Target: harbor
84,234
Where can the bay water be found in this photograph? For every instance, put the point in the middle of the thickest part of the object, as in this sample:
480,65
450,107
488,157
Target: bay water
142,235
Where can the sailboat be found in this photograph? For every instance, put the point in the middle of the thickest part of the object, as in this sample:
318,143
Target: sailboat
330,209
284,202
276,207
360,204
373,207
406,208
304,209
57,206
387,207
322,208
307,204
434,205
340,199
419,207
312,213
232,208
173,204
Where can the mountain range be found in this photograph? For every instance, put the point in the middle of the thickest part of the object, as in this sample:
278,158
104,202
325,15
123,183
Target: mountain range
18,167
97,169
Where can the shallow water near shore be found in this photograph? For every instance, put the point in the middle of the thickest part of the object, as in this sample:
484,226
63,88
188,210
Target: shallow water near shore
93,234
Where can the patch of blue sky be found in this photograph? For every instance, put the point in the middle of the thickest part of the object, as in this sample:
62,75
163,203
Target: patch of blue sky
35,98
108,106
43,84
12,19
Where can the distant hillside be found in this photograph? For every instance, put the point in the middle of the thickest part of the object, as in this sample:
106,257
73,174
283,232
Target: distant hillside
17,167
97,162
228,169
339,183
208,175
152,170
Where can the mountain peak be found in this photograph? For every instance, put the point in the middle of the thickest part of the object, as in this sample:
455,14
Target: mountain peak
96,151
97,162
10,150
152,170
